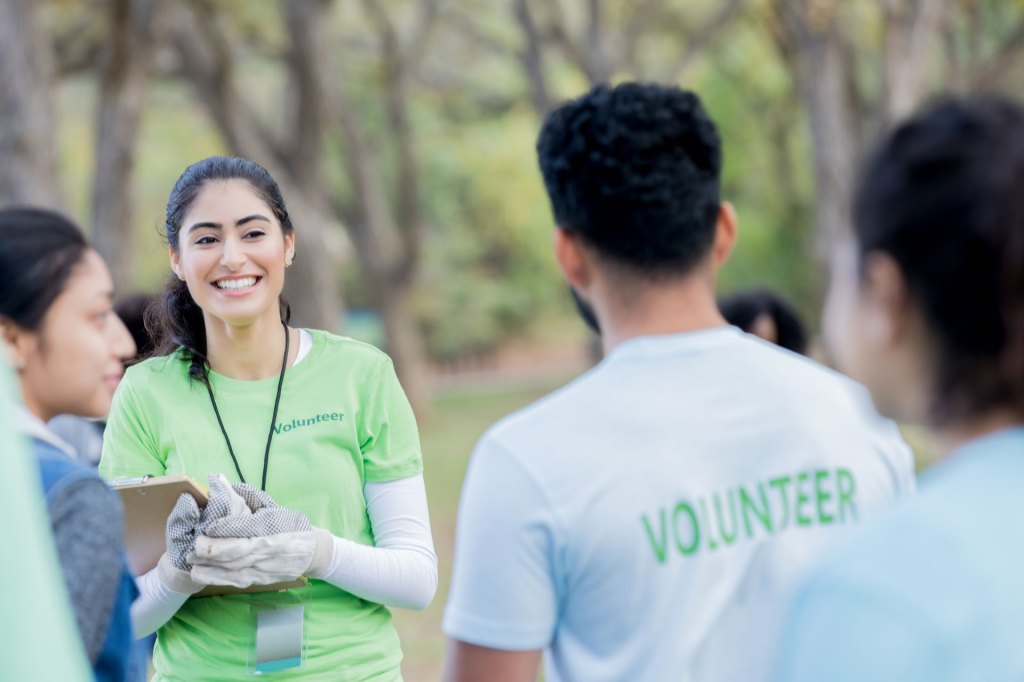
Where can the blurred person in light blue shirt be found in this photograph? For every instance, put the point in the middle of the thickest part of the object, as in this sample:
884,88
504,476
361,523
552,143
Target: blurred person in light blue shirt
41,641
927,310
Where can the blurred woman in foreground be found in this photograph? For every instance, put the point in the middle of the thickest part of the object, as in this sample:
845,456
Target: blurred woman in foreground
67,347
927,310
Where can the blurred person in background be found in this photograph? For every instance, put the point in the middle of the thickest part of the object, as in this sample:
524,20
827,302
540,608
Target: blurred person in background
646,521
318,422
927,309
764,313
83,434
67,347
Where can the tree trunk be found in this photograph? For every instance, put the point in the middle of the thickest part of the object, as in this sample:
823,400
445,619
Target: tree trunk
911,32
404,343
822,77
28,170
313,288
122,89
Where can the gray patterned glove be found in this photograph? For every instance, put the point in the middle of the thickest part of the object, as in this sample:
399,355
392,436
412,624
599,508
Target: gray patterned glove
260,517
185,523
174,567
264,544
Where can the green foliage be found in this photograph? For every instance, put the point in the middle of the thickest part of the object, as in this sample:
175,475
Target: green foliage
488,276
766,175
489,271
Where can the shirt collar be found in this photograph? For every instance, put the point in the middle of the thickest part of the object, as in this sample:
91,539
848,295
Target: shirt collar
33,427
695,341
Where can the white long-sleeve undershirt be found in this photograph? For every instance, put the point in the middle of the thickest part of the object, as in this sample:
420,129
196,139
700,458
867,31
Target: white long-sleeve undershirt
399,570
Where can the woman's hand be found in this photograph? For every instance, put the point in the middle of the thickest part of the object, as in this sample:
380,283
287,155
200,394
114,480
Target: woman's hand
259,544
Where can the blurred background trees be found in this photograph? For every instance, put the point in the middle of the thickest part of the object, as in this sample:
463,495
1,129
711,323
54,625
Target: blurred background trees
402,133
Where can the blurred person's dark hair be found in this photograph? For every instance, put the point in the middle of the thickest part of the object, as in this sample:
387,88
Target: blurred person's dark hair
764,313
39,250
176,320
944,197
132,311
634,171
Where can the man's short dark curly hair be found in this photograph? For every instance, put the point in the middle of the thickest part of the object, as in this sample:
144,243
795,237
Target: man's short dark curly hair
634,170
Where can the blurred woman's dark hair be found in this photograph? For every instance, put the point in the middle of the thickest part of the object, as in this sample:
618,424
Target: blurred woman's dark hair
39,250
175,320
743,308
132,311
944,197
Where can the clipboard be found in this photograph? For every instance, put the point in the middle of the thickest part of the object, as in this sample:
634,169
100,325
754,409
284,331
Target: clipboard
147,502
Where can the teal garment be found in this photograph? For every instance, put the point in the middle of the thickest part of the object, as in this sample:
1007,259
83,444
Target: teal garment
933,592
41,639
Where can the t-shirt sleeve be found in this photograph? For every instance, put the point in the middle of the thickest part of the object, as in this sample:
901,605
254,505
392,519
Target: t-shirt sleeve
899,457
888,442
388,439
129,448
844,632
504,581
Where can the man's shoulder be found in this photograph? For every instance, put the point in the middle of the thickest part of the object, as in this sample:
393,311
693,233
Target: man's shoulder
780,364
547,414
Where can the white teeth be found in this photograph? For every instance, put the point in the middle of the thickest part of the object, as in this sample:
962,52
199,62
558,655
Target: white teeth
235,284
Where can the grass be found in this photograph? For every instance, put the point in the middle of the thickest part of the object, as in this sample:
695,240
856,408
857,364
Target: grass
461,415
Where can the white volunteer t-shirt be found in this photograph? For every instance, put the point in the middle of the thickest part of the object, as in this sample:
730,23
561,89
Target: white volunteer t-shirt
645,521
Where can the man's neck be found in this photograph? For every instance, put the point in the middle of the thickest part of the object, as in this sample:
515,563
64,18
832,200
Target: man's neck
671,308
249,352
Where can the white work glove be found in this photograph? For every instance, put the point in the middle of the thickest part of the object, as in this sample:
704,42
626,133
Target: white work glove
259,543
263,560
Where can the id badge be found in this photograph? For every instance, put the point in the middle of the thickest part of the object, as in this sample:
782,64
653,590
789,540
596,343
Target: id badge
279,644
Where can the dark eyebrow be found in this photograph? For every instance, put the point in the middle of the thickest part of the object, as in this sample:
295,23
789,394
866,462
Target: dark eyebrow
199,226
250,218
238,223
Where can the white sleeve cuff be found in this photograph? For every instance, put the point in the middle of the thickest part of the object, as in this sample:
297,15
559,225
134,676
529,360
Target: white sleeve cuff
157,603
401,568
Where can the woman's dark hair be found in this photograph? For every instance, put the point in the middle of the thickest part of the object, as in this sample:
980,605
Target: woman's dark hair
176,320
741,308
39,250
944,197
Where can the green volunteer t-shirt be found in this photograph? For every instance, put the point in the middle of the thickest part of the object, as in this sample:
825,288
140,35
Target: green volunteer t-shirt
343,420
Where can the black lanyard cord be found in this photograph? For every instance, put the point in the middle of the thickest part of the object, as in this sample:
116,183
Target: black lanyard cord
273,418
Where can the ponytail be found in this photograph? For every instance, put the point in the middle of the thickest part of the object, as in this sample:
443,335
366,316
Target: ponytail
175,321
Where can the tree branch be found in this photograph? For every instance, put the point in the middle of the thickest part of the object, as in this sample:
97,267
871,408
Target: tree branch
305,21
429,12
204,50
409,210
531,56
130,46
703,36
986,74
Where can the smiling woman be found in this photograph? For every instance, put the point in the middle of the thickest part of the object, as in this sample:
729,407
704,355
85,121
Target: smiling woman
67,345
229,386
